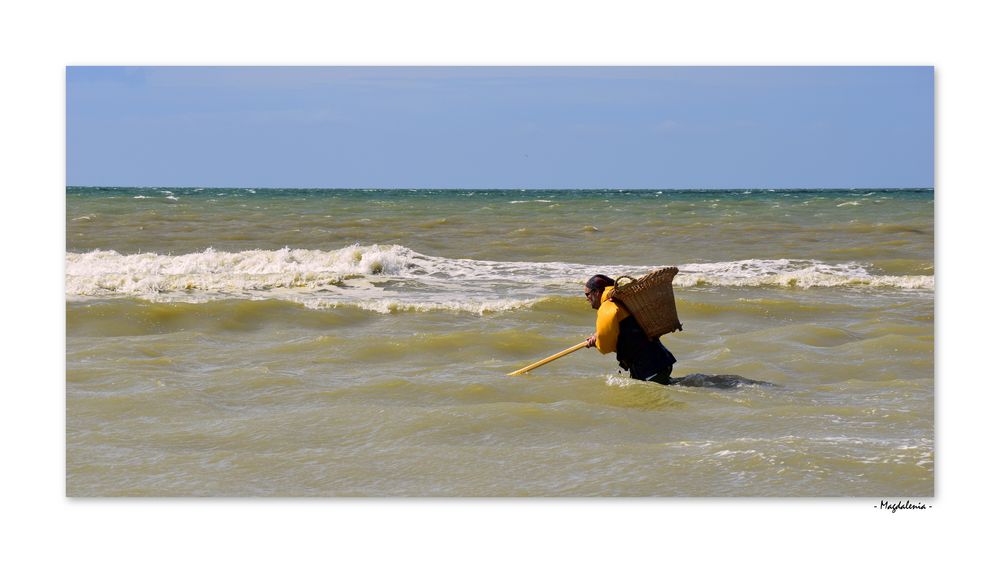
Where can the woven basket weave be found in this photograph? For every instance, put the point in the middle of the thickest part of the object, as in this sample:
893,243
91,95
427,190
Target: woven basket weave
650,299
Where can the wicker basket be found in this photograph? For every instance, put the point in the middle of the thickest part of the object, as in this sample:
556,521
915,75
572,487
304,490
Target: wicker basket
650,299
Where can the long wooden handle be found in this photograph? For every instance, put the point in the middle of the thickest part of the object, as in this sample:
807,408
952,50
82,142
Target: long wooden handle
549,359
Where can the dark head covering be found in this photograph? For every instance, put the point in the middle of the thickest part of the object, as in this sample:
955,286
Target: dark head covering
600,281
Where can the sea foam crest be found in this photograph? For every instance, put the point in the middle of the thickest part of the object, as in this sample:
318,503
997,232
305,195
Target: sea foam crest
107,271
391,278
792,273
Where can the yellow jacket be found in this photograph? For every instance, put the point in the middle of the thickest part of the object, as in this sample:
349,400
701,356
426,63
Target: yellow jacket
608,317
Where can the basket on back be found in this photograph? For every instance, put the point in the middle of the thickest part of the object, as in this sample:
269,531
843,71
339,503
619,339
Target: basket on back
650,299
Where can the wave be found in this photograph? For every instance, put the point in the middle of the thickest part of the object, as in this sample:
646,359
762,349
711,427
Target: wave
108,271
792,273
104,316
390,278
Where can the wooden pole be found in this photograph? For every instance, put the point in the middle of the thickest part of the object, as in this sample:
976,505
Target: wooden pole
549,359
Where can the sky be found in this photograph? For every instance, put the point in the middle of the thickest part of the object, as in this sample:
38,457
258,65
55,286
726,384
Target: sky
501,127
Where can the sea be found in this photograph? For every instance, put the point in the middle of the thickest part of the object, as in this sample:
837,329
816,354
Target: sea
355,343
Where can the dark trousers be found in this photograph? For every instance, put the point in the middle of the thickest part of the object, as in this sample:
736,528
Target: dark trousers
663,377
647,360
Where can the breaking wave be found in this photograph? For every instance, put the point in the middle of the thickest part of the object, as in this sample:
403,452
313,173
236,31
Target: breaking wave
390,278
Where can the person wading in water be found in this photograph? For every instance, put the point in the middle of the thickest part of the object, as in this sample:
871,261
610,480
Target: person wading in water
618,331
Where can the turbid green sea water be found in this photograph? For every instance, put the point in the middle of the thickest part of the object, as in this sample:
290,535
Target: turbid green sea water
354,343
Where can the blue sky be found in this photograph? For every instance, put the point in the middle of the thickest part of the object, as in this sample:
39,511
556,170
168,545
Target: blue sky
501,127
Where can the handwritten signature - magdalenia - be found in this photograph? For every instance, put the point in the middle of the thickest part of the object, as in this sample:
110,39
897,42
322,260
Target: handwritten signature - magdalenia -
901,505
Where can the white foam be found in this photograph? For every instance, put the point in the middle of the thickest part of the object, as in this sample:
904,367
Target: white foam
792,273
395,306
389,278
617,380
108,272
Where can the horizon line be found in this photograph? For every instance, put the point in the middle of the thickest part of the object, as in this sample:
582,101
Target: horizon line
362,188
